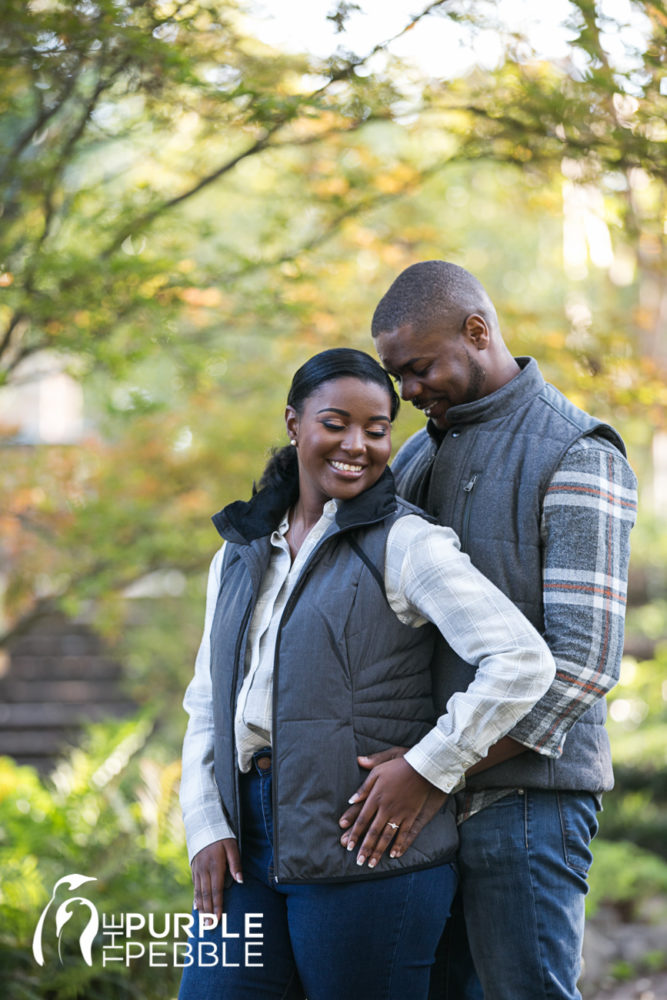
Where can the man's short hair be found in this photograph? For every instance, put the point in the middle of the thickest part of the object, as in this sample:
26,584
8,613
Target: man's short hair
432,291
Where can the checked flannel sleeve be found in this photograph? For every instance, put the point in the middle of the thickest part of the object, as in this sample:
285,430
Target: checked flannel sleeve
589,509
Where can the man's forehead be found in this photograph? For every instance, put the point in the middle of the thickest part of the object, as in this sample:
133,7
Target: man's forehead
408,343
401,336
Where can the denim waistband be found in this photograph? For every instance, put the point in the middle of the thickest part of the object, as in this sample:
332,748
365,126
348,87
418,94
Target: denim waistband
260,766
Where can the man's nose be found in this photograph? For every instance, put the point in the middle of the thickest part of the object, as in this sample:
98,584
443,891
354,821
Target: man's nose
409,387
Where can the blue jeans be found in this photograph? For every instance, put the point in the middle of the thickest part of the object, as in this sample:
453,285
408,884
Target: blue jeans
370,940
523,864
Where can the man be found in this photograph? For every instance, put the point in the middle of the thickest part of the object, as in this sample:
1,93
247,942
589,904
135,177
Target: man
543,499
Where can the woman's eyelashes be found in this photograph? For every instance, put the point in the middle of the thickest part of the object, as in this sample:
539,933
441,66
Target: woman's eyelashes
376,432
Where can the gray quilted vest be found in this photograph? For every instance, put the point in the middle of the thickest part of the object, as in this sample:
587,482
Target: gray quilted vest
487,481
349,679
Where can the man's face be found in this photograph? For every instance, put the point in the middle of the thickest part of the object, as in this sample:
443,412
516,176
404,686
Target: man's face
434,366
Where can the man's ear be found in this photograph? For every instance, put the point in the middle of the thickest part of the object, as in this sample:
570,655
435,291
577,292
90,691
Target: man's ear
477,332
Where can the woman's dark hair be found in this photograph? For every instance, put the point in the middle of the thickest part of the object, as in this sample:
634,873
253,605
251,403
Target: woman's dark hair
338,362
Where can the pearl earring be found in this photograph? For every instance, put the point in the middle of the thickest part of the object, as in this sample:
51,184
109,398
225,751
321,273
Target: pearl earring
293,441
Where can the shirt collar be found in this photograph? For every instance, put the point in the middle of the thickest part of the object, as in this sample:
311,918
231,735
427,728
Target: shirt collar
328,515
244,521
528,382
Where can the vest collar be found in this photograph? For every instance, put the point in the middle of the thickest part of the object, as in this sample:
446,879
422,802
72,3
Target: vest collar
245,520
509,397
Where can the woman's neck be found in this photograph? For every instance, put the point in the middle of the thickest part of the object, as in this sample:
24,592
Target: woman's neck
302,519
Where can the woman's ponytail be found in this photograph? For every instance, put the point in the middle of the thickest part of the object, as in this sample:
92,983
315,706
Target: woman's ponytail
282,468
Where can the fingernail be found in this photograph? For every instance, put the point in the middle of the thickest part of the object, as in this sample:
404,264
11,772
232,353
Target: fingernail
360,859
239,878
343,823
352,800
372,863
350,846
393,854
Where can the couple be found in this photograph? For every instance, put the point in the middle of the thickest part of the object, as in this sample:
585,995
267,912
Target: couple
337,617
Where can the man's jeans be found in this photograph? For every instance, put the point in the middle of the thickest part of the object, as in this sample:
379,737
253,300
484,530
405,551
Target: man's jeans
523,864
370,940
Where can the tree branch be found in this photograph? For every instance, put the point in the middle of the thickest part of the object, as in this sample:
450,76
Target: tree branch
262,143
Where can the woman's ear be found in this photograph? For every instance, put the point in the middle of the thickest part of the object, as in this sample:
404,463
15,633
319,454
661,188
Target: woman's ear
292,424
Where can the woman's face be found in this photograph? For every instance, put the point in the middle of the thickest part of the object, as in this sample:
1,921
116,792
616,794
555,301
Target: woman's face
343,439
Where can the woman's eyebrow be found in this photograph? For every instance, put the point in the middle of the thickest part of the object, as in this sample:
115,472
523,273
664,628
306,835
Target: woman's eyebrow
344,413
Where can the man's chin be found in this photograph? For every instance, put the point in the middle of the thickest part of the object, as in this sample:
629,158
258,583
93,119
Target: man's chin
439,419
437,413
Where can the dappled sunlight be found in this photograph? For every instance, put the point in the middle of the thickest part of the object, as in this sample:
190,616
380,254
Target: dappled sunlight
195,198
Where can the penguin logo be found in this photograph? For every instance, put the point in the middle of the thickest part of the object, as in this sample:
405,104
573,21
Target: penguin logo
63,914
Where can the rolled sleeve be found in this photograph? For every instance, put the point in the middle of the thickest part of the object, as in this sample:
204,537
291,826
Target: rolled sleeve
428,578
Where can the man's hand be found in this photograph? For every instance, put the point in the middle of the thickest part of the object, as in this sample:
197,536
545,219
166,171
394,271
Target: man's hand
209,868
397,804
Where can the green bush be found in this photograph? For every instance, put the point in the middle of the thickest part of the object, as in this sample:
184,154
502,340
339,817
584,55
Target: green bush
636,810
625,877
109,812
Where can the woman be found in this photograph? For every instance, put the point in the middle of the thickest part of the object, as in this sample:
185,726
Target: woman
316,650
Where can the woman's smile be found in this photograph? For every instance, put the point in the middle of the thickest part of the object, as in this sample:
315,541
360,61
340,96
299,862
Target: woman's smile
352,419
346,468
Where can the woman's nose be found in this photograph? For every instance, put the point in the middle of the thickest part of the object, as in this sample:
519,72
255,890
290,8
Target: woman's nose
354,442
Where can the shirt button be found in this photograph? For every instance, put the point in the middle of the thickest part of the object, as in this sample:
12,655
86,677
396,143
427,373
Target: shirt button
455,434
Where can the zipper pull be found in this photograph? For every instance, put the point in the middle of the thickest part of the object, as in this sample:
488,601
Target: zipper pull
468,488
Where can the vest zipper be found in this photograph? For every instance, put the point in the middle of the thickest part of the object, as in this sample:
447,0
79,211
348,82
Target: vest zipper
312,559
287,611
274,770
467,507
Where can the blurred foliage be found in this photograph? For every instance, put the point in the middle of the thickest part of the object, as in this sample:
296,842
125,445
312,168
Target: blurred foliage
625,877
187,214
109,812
629,869
637,809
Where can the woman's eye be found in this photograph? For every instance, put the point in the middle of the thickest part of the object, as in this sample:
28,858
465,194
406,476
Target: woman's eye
332,427
377,434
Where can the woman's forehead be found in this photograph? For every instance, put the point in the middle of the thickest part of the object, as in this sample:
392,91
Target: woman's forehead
348,393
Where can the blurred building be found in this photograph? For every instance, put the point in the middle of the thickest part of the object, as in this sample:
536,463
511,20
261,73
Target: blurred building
56,675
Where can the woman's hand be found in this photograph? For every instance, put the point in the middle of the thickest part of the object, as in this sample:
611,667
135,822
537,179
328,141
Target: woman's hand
209,868
356,800
397,804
